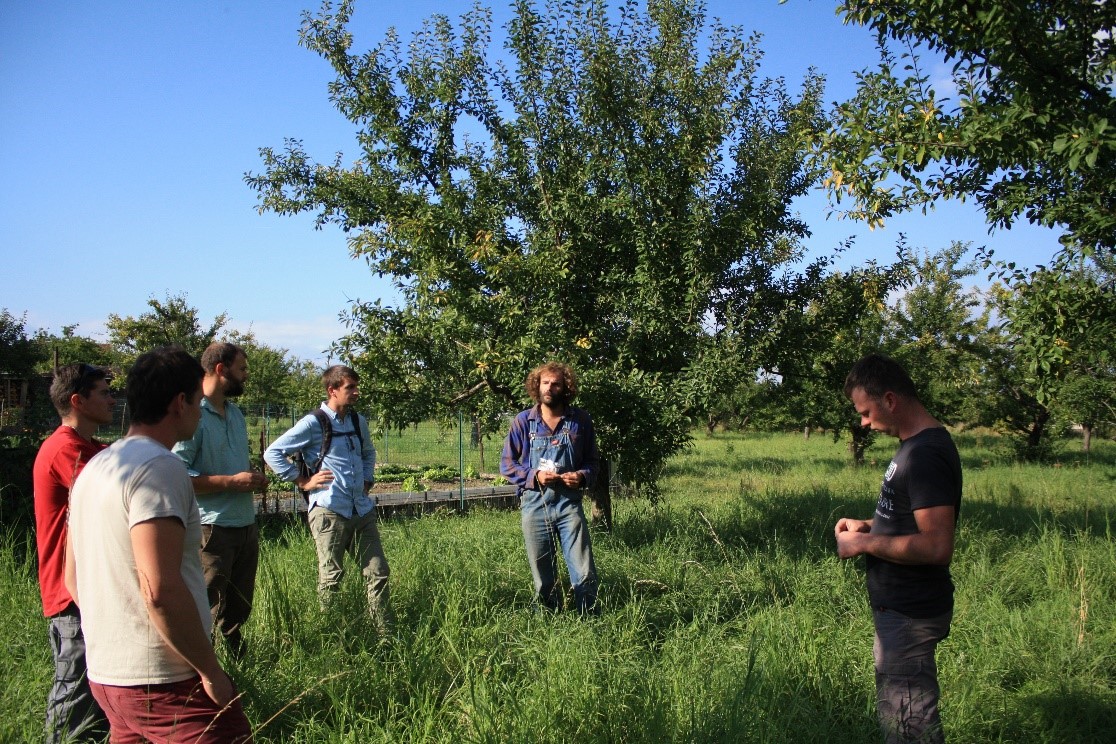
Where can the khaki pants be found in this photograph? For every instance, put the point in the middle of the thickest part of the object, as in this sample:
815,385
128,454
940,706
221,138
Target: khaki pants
335,535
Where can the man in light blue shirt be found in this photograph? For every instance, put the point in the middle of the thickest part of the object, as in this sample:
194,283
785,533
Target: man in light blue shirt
342,513
217,459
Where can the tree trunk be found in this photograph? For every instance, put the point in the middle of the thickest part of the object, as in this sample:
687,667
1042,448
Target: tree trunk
1035,433
1086,436
806,432
601,498
479,436
858,442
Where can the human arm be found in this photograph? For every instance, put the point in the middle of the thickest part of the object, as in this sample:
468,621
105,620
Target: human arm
931,544
588,457
250,481
69,574
305,437
157,547
515,463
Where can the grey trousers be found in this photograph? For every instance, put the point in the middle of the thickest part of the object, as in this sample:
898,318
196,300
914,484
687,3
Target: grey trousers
907,689
72,714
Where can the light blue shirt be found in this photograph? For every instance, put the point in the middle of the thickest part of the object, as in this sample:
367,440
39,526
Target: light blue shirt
220,447
352,466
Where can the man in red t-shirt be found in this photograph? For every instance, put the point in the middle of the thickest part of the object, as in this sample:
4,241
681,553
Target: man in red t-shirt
83,399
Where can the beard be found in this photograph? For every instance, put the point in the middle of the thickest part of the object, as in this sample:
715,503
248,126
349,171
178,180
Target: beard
557,399
233,387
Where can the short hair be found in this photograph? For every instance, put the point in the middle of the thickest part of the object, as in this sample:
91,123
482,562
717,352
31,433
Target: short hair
155,380
569,377
220,352
71,379
877,374
336,375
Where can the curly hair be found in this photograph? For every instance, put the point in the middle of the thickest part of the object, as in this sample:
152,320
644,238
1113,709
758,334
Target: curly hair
569,377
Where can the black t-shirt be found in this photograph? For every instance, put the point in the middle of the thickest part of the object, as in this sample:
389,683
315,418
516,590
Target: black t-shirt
925,472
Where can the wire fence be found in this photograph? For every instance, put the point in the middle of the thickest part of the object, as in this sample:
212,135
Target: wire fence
418,467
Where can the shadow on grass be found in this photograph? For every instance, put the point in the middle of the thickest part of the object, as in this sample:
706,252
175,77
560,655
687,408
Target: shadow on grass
1071,716
801,524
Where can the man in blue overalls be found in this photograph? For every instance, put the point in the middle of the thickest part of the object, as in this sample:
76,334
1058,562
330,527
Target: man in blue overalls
551,454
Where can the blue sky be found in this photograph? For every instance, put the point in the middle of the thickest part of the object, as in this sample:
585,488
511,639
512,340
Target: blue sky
126,130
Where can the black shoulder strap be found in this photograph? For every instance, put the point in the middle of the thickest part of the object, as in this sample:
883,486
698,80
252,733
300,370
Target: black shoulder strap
356,425
327,437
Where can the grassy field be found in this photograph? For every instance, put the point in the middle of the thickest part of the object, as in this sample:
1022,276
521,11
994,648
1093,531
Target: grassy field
727,616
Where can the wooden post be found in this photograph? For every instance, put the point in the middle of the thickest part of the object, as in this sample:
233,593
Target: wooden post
601,498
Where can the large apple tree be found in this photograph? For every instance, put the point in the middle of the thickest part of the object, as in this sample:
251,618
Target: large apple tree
1024,122
586,190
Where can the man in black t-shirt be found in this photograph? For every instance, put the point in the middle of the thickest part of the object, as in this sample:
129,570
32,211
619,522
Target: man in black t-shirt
908,545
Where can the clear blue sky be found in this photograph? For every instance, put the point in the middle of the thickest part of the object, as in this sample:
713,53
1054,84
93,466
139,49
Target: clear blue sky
126,130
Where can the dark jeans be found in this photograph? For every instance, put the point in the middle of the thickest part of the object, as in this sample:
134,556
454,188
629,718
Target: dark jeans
229,556
72,714
907,689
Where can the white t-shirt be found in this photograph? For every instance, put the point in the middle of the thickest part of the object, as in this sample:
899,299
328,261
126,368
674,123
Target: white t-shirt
135,480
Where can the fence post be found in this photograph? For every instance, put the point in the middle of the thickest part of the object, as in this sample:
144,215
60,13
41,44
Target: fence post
461,457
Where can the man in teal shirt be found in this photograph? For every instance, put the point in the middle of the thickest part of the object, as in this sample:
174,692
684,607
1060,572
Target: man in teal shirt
217,459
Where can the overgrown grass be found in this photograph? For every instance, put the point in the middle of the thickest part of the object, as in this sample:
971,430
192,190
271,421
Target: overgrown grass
727,616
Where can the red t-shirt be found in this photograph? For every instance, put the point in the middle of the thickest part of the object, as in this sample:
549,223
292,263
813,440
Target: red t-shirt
60,459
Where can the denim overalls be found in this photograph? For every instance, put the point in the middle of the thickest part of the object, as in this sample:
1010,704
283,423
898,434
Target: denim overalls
555,514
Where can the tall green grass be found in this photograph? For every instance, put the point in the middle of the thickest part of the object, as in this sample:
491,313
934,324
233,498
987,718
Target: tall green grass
727,616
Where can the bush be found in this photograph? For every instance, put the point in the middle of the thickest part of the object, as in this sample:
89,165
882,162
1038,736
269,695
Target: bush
412,483
440,474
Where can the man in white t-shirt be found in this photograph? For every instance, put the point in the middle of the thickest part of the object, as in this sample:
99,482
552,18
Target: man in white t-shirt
133,567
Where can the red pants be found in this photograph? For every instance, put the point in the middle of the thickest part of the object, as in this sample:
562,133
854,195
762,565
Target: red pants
171,713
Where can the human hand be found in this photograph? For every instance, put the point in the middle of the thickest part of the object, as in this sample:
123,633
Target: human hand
850,544
218,687
572,479
547,478
318,480
851,525
248,481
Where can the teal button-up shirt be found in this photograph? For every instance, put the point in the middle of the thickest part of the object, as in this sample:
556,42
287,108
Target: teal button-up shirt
220,447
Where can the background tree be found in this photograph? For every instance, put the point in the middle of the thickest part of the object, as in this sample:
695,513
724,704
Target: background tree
1026,125
587,198
939,330
845,322
70,348
1059,322
170,321
1088,400
19,441
18,353
275,377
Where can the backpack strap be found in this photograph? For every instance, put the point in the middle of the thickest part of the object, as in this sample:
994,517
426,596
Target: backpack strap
356,426
327,437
